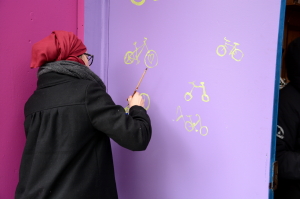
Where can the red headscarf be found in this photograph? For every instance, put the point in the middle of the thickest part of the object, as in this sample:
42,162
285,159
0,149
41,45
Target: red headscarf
59,45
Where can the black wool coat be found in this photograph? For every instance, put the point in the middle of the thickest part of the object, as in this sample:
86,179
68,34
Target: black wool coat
68,126
288,143
288,131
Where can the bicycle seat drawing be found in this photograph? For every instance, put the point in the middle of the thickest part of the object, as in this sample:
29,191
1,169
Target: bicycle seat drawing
139,3
150,59
188,95
235,53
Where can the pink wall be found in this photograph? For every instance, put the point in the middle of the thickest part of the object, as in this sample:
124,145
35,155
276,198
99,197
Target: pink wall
22,24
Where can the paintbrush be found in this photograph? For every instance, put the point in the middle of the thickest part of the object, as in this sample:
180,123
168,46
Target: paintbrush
137,87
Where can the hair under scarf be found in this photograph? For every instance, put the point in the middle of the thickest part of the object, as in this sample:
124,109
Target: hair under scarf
59,45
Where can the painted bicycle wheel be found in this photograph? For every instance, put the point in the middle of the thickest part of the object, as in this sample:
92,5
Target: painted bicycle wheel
151,59
147,100
138,3
128,58
237,55
203,130
189,126
205,98
188,96
221,50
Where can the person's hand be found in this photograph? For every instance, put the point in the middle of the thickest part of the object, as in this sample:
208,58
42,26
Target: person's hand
137,99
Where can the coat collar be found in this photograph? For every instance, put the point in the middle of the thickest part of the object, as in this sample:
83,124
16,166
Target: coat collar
53,78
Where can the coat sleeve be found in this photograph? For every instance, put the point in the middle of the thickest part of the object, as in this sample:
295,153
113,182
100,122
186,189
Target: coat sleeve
131,131
287,151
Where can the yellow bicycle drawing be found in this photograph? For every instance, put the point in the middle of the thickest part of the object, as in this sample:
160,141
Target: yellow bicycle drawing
147,102
235,53
190,125
188,95
150,59
139,3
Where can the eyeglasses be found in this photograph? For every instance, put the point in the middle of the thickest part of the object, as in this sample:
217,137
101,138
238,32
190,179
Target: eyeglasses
90,58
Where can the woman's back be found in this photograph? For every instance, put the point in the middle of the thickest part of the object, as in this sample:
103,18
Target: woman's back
67,153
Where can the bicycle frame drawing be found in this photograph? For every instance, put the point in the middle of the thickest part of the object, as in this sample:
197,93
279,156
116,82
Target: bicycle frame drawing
188,95
150,59
235,53
190,125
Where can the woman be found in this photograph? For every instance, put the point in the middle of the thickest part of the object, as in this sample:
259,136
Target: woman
68,122
288,131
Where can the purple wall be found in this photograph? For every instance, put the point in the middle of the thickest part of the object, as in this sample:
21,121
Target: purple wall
232,160
22,24
96,34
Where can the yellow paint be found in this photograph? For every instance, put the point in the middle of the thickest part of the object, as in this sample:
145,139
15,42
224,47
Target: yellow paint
147,100
190,125
146,97
126,109
138,3
188,95
235,53
150,59
181,115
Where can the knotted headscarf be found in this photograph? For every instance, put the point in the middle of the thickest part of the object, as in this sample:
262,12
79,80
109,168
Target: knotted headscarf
59,45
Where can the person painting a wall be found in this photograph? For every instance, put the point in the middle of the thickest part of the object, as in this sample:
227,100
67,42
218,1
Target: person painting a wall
288,134
69,121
